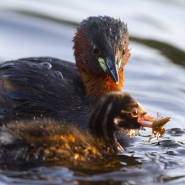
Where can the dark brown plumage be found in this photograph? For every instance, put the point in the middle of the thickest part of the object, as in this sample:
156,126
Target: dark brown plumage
45,140
53,88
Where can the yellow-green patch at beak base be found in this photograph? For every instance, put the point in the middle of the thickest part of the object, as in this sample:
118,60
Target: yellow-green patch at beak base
102,64
110,68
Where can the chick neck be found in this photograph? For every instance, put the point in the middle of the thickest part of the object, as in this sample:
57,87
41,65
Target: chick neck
101,121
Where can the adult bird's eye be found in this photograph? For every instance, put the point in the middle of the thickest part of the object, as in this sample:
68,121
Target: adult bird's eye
123,52
96,51
134,113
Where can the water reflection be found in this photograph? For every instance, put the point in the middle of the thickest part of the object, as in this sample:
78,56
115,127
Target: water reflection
46,28
173,53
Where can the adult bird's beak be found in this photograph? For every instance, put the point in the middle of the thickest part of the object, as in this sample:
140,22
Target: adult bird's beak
112,70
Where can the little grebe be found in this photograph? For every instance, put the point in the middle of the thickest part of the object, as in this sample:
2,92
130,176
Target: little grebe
34,87
43,140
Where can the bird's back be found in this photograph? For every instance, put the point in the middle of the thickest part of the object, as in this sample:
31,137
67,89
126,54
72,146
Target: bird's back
49,87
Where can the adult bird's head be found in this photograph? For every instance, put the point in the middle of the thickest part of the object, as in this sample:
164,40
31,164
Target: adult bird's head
101,52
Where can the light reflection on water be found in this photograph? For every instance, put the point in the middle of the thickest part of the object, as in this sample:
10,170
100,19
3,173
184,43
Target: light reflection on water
151,76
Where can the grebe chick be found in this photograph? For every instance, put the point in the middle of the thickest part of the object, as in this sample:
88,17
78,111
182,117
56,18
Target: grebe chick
50,87
44,140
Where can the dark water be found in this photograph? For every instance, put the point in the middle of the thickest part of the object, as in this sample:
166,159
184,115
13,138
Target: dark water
155,76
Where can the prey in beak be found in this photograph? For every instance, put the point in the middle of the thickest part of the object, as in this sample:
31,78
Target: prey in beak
145,120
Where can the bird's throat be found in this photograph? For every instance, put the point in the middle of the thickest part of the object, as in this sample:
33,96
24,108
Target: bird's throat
97,86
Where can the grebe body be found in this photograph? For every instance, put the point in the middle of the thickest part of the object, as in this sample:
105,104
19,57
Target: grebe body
53,88
42,140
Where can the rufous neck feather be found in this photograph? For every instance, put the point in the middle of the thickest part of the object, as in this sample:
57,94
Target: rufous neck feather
98,85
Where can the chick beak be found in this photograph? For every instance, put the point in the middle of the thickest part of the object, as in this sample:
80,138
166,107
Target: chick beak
145,120
112,70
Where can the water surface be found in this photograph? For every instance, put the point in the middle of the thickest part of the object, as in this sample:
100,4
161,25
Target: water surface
154,76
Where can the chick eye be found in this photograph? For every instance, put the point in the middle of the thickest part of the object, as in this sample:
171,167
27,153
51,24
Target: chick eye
134,112
96,50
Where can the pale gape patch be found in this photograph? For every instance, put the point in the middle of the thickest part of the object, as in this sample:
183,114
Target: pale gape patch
117,121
